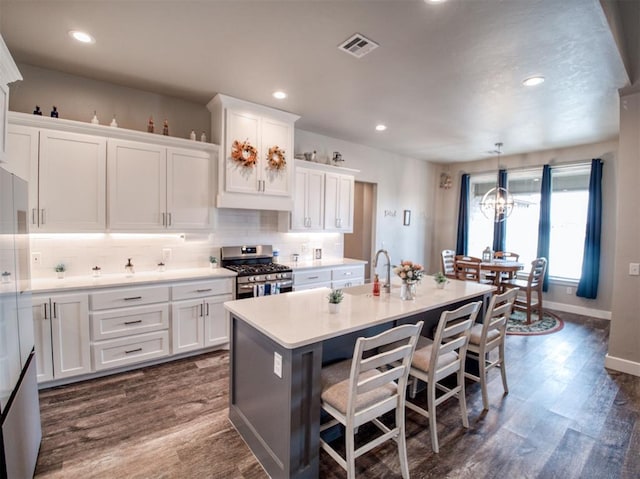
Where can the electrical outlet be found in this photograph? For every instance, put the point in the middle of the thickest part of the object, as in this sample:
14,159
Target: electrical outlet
634,269
569,290
36,259
277,364
166,255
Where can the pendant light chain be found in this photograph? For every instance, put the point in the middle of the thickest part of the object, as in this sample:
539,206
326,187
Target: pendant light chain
497,203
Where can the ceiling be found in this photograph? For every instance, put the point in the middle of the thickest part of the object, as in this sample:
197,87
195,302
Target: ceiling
446,79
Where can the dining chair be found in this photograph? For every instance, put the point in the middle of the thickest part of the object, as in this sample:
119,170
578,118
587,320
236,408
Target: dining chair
488,336
447,260
436,360
360,390
507,256
533,284
467,268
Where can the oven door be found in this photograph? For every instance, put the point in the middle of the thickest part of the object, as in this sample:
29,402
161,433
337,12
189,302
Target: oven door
266,288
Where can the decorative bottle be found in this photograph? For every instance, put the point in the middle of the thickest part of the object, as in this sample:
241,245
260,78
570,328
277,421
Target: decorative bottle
54,112
192,135
376,285
203,137
165,128
95,120
37,111
114,123
150,126
128,268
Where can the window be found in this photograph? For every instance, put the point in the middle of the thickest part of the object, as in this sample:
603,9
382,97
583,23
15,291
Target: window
569,202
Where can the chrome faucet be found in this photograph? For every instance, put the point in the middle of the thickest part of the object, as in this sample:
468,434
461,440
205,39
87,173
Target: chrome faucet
387,284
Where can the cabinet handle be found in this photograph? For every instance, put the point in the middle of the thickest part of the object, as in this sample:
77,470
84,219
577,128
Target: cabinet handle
164,220
348,273
133,298
207,309
203,290
55,315
33,216
169,221
45,310
202,310
42,217
137,350
133,322
312,277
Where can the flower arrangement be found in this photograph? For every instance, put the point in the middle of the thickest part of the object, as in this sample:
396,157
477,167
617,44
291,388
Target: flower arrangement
409,271
335,296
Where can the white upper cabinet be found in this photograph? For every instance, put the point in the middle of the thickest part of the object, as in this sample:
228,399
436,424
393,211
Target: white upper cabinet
261,175
308,206
71,182
338,209
155,183
323,199
156,188
67,178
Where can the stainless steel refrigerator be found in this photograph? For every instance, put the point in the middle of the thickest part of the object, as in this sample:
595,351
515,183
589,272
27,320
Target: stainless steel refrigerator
20,432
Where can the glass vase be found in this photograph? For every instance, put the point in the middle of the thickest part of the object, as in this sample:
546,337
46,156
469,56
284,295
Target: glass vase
408,291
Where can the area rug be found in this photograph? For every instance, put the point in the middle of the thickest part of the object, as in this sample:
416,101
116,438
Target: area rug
550,323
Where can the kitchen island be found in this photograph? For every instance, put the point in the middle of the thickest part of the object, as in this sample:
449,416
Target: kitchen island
279,344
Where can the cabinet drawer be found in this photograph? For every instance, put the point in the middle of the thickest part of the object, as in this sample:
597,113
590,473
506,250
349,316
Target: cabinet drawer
120,352
304,287
347,283
118,298
201,289
127,321
348,272
313,276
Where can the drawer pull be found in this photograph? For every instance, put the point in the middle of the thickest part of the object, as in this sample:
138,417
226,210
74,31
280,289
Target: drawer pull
348,273
133,322
203,290
137,350
313,277
133,298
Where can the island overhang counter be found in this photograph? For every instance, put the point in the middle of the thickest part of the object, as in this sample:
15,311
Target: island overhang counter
278,345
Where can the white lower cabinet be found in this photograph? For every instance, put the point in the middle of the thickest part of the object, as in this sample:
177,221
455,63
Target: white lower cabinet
61,326
336,277
198,318
129,325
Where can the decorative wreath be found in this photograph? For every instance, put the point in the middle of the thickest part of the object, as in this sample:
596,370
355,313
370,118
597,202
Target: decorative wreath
275,158
244,153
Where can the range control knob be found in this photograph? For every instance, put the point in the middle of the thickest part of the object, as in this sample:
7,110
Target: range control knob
251,279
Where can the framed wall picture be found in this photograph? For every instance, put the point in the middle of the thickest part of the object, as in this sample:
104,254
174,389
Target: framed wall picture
406,221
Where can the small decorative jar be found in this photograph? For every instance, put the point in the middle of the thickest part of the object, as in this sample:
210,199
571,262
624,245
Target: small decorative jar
96,271
161,267
408,291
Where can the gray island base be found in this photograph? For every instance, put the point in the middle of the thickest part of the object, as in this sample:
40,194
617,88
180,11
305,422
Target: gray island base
279,344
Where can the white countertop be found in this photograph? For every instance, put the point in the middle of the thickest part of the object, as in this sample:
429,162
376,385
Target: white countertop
120,279
300,318
322,263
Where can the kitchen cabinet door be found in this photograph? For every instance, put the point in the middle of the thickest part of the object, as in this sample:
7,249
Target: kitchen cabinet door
137,186
188,190
308,208
71,182
42,335
70,335
187,325
242,126
22,156
338,211
276,182
216,321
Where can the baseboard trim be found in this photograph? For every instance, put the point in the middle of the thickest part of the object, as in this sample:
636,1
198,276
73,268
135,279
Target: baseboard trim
571,308
622,365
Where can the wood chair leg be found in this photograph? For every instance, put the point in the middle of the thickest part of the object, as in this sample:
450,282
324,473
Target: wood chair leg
528,293
350,453
402,442
431,405
503,369
482,370
462,396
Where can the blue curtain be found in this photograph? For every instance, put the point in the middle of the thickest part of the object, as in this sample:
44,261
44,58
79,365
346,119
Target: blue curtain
463,216
544,224
588,285
500,225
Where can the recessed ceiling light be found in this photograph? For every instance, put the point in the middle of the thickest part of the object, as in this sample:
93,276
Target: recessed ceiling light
381,127
280,95
435,1
82,37
533,81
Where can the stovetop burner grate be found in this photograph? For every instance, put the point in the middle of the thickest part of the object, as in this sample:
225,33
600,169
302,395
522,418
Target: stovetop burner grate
263,268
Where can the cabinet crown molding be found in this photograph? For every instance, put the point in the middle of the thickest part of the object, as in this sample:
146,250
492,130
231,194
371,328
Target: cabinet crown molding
73,126
230,102
8,69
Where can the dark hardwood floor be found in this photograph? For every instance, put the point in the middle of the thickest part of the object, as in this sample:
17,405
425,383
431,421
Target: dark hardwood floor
565,417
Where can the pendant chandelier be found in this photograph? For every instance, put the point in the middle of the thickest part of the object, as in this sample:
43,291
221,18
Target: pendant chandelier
497,203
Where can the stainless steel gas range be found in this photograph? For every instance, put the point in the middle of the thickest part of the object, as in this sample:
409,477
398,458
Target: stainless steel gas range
258,274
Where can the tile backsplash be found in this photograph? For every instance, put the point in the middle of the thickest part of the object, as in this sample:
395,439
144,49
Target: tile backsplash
110,251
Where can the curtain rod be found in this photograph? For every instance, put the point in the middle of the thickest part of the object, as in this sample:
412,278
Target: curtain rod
533,167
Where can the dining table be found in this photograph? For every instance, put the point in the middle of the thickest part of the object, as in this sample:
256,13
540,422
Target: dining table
500,266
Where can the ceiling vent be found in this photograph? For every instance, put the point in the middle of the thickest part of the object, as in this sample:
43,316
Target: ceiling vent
358,45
